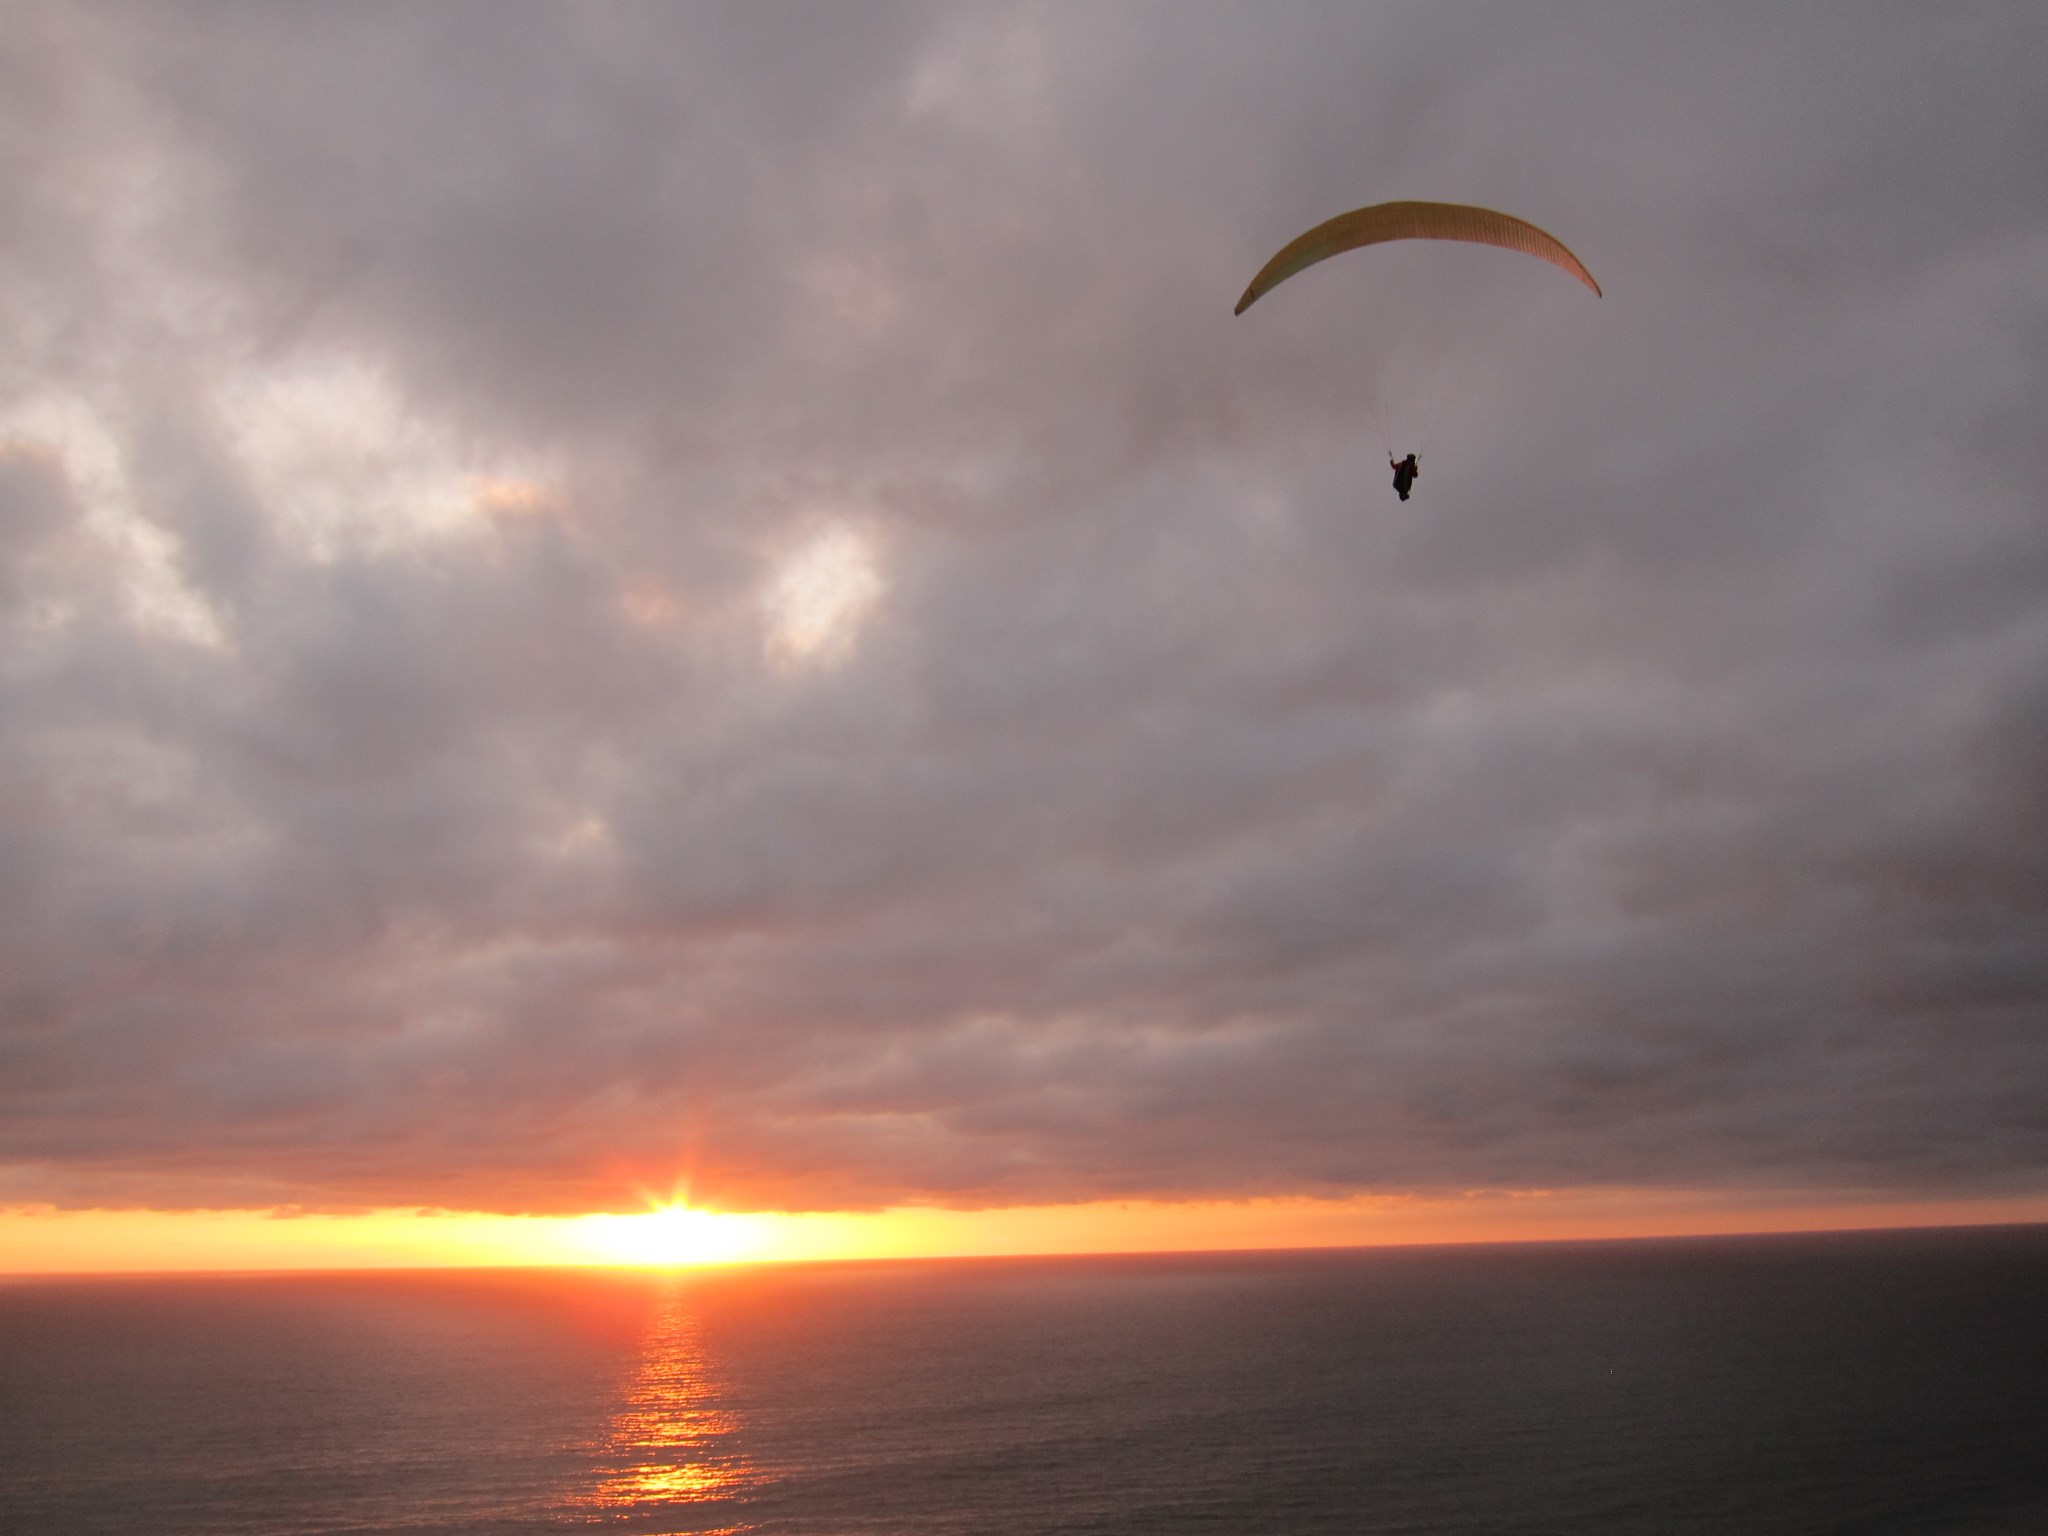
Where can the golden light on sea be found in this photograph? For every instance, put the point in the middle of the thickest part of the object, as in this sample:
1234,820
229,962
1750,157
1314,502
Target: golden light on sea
671,1441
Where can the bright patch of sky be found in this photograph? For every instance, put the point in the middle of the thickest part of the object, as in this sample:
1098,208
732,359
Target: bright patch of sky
342,459
820,596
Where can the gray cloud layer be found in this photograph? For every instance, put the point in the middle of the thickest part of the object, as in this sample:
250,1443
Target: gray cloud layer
407,415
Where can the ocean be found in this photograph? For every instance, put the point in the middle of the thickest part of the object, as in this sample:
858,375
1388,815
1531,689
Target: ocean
1853,1383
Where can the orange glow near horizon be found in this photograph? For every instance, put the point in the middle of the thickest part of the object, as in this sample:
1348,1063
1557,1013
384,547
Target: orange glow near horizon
673,1236
45,1241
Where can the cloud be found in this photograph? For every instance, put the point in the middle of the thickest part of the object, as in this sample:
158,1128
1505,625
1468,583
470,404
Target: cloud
598,599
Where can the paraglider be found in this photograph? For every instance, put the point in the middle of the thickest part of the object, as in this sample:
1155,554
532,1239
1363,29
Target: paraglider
1383,222
1411,221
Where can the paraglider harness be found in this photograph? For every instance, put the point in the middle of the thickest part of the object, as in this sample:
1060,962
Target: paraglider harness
1406,473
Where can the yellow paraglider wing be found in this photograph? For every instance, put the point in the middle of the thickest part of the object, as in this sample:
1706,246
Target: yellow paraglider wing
1412,221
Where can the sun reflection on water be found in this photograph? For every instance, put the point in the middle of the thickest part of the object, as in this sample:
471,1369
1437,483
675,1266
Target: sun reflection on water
671,1442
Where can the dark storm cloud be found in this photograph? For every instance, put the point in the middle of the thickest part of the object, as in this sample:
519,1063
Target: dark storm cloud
1658,800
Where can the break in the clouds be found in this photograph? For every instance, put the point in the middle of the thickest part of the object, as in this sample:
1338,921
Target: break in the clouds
606,595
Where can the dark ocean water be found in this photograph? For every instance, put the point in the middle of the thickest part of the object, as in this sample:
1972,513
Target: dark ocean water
1844,1384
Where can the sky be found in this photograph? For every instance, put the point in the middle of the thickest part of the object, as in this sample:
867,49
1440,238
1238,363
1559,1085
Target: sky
610,603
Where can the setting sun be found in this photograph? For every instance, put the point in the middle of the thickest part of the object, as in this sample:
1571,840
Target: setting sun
673,1235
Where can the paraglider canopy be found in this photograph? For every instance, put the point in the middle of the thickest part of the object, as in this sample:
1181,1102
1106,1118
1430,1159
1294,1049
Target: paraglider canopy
1412,221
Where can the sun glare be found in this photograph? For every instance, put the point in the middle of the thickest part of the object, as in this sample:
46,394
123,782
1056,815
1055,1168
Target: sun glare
673,1235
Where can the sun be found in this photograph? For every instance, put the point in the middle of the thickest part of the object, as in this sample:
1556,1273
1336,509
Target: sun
672,1236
